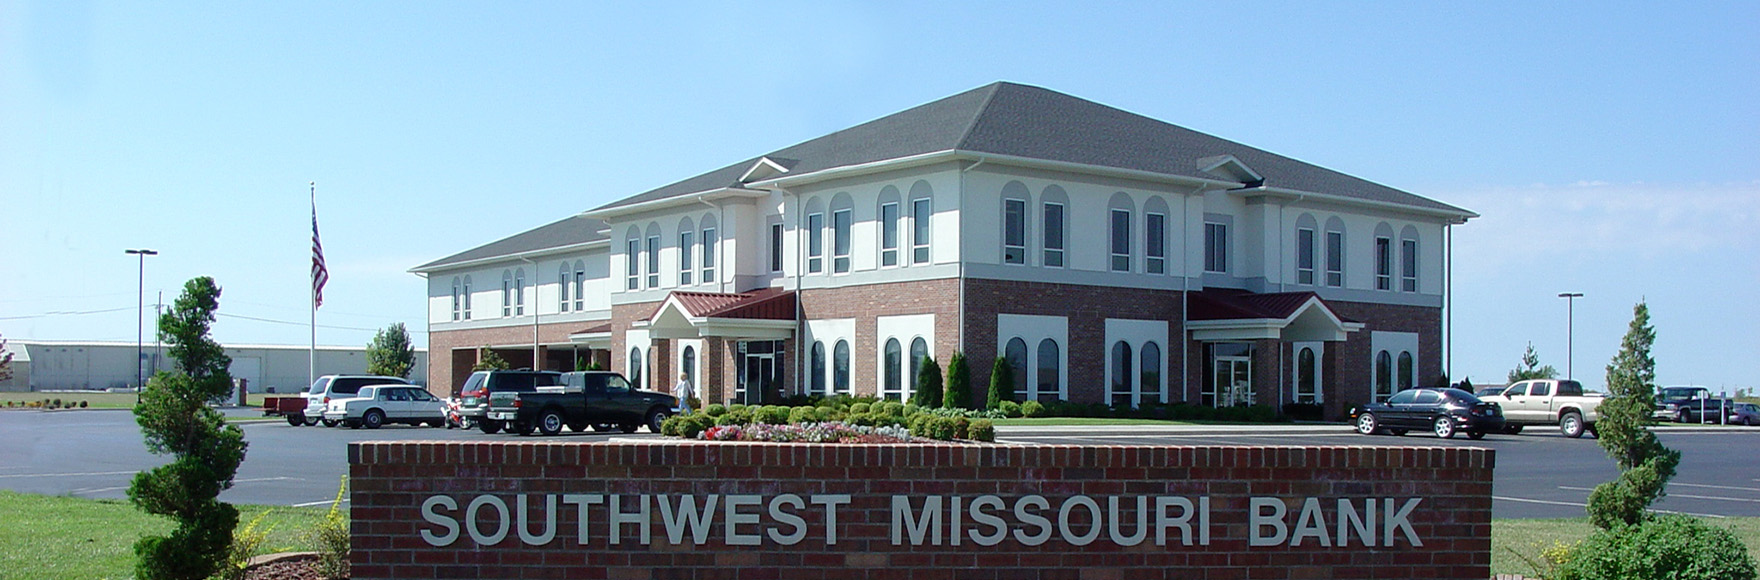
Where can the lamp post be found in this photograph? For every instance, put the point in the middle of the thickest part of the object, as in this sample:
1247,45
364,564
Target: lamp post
1570,300
140,349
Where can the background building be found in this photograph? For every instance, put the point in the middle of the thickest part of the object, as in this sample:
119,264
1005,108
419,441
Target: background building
76,365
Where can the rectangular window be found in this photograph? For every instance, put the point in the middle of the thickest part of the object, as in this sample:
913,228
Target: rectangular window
632,259
1335,259
775,247
1014,231
1215,247
1156,244
506,296
1305,256
1409,265
686,242
1383,264
653,261
467,297
1054,235
580,290
455,301
816,243
889,234
922,212
562,287
710,242
840,224
1121,240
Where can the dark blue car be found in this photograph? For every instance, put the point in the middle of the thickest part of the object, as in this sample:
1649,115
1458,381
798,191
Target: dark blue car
1442,411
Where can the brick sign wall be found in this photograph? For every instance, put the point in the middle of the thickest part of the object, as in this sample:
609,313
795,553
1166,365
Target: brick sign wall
751,510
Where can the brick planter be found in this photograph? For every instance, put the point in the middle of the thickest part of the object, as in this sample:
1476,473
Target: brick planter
484,510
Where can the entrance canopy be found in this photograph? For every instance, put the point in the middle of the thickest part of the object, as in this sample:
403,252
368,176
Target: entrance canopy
767,313
1217,315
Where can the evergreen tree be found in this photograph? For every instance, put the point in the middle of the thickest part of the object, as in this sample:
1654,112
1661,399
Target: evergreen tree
176,419
1531,369
959,383
390,354
487,360
5,361
929,384
1001,383
1645,465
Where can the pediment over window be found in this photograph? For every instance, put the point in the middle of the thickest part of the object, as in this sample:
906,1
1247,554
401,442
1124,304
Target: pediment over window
1230,168
767,167
1288,316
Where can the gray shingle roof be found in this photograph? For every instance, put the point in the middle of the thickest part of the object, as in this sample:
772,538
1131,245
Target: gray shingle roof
573,230
1031,122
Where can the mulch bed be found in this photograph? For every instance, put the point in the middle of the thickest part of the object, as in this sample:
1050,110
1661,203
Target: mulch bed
286,567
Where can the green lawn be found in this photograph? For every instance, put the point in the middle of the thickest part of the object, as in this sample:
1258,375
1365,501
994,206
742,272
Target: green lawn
92,399
1510,537
78,539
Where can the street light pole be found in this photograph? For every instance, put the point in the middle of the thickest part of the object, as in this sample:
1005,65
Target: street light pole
1570,300
140,380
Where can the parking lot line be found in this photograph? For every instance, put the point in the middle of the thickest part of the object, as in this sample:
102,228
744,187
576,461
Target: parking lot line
10,476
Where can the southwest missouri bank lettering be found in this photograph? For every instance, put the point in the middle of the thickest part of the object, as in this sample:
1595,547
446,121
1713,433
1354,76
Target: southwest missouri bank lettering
698,510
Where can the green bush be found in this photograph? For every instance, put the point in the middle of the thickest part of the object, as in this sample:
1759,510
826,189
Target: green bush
858,409
802,415
929,384
959,384
892,409
773,415
1667,547
728,419
715,410
669,427
962,427
1009,409
982,430
694,425
1001,383
1032,409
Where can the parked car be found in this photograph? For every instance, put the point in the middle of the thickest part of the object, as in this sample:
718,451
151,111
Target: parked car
329,387
1558,402
474,396
1689,404
1442,411
585,398
374,406
1745,414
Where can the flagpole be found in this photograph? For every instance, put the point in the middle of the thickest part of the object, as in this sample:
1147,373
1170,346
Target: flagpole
312,355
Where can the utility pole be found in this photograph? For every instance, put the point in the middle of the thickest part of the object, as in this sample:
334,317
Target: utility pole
140,312
1570,299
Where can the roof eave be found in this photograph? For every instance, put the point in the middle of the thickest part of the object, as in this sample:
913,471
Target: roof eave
1454,215
604,213
982,157
434,267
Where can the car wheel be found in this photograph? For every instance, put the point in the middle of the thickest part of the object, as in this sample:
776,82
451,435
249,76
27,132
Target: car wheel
330,423
1443,427
627,427
1571,425
1512,429
655,419
1680,416
374,419
1366,424
489,426
296,419
550,423
1475,435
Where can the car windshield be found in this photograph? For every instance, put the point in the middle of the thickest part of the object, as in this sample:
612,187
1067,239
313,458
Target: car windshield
1462,396
1678,392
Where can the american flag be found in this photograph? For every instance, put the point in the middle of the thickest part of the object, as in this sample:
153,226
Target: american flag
320,274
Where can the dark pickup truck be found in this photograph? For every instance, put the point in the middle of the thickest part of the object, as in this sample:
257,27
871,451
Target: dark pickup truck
584,399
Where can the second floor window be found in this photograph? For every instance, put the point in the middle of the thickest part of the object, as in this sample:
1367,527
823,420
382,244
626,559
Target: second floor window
816,243
840,224
1215,247
1121,240
1305,256
1014,231
632,261
775,247
1155,246
580,285
653,261
519,292
455,298
1383,264
467,297
1408,265
710,245
506,293
922,211
562,287
889,234
687,241
1335,259
1054,235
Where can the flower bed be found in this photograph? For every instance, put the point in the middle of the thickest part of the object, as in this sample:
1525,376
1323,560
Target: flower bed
826,432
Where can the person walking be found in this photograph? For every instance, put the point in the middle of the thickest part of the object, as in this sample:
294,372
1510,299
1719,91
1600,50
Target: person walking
685,392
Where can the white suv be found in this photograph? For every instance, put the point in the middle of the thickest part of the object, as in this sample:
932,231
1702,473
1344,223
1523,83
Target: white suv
329,387
377,405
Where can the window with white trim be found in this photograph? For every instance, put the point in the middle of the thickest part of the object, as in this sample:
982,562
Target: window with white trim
710,244
455,298
687,243
580,285
1335,259
467,297
1050,380
653,261
1016,354
1383,263
1149,375
1305,256
1120,389
506,293
1215,247
519,292
1054,237
1121,240
1155,243
1408,265
892,367
562,287
889,234
1383,376
840,368
919,351
632,262
815,243
922,213
1014,231
776,247
840,240
816,383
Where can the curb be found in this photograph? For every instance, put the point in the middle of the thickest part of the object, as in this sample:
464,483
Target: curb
279,557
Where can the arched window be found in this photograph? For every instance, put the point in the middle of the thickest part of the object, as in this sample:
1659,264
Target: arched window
688,360
1150,387
635,367
1383,256
519,292
919,351
467,297
840,368
1049,364
1383,376
1407,375
562,286
455,298
1307,385
1016,353
891,388
580,285
1121,374
816,383
506,293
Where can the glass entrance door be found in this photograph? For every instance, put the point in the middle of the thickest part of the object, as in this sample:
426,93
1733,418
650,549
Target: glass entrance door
759,370
1232,383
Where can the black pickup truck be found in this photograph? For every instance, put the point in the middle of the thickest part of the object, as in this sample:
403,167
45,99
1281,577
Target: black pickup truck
584,399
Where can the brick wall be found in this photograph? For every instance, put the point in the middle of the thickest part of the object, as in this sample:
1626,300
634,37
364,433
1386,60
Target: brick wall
435,510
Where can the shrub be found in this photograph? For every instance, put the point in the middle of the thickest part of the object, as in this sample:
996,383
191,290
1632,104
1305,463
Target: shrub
728,420
669,427
55,404
1304,411
892,409
1001,383
1671,547
858,409
982,430
82,404
694,425
329,538
774,415
929,384
1032,409
247,543
802,415
1009,409
959,384
715,410
962,428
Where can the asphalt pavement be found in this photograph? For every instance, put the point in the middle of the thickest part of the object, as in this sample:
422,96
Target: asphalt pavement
1539,474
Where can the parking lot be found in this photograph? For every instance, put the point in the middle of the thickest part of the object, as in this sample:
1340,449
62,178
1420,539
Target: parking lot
1539,473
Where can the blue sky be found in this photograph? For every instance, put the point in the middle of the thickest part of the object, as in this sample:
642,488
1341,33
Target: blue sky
1613,149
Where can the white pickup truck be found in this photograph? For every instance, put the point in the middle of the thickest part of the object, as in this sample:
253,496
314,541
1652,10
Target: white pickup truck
1558,402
